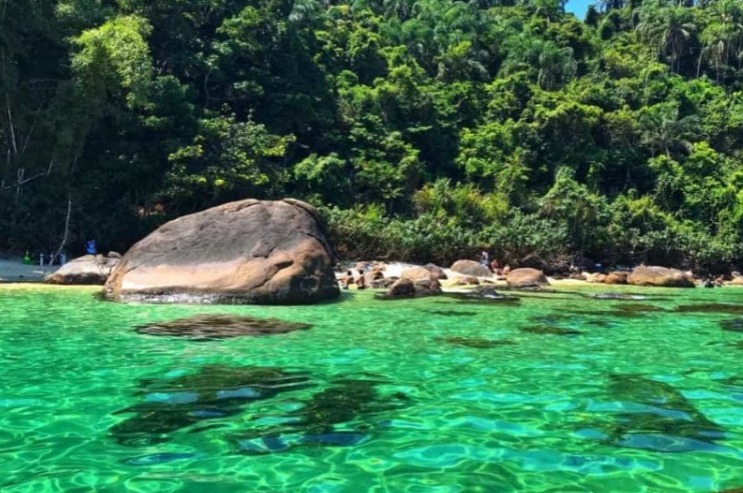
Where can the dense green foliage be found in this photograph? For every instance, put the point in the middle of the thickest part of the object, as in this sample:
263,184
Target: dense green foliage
426,129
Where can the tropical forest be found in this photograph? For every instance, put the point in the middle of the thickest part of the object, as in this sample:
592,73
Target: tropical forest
424,130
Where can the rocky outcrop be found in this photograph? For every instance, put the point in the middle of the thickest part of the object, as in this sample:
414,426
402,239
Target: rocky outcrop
736,281
406,288
86,270
660,276
618,277
526,278
471,268
437,271
596,278
251,251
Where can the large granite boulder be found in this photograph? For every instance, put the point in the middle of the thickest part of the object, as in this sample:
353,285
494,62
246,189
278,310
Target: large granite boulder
88,269
660,276
471,268
250,251
526,278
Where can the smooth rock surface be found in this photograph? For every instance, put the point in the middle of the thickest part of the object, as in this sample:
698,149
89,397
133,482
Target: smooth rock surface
85,270
660,276
250,251
471,268
526,278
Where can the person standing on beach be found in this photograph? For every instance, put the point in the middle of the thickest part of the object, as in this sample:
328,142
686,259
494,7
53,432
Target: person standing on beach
484,259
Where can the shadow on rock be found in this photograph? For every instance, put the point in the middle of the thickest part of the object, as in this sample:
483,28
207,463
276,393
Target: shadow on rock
655,416
475,342
215,327
214,392
336,416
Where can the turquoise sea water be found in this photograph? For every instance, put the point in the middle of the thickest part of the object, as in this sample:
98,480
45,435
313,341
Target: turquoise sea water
558,393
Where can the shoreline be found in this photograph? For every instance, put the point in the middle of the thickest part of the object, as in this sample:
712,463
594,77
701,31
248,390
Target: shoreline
14,271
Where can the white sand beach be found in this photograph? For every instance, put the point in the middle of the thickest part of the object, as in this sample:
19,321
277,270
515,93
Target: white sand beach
13,270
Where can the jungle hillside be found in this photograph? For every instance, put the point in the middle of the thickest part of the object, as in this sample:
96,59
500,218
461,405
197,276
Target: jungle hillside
424,130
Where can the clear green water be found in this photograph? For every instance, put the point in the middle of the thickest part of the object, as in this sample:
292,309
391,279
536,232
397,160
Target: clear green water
372,398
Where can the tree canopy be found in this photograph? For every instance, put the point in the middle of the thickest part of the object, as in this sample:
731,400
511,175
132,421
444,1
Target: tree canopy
428,129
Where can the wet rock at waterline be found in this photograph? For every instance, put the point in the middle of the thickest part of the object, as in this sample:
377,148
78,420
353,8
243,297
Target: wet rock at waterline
214,392
86,270
211,327
639,308
405,288
450,313
618,296
483,295
732,325
475,342
251,251
660,277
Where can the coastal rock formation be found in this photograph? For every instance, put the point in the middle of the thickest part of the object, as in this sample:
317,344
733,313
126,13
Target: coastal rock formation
526,278
85,270
417,274
660,276
596,278
618,277
250,251
471,268
406,288
437,271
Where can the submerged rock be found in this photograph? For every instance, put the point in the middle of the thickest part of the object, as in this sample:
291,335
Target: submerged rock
85,270
211,327
660,277
475,342
711,308
618,296
336,416
214,392
639,308
251,251
483,294
658,417
732,325
550,330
